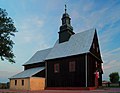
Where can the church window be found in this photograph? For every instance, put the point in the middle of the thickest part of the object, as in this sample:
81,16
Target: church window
93,46
96,64
15,82
72,66
22,82
97,49
56,68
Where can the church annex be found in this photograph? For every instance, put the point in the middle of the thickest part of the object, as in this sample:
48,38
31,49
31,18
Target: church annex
74,61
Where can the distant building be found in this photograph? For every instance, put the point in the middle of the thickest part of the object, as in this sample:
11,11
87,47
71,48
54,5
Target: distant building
74,61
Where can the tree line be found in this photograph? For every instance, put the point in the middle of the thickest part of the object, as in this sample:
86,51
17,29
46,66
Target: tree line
7,30
114,77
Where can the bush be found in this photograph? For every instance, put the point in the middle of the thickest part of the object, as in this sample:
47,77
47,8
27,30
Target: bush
114,77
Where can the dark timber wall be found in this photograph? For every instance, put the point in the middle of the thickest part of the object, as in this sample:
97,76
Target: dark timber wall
76,79
40,74
93,57
92,69
65,78
40,64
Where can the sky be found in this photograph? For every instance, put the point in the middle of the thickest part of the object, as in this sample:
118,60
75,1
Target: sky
38,22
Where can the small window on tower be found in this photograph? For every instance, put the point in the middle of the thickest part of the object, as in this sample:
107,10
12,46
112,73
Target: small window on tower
64,21
56,68
72,66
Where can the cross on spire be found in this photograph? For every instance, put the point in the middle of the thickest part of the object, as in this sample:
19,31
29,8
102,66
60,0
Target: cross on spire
65,8
66,30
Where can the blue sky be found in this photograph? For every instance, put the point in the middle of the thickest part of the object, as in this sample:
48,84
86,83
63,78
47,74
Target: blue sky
38,22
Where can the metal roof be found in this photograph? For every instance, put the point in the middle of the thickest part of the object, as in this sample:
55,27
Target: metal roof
78,44
39,56
28,73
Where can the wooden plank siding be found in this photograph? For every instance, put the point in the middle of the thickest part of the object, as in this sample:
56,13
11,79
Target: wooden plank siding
40,64
95,50
94,57
78,78
65,78
92,69
40,74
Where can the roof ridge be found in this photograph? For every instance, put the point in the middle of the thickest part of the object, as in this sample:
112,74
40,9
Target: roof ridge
78,43
44,49
91,29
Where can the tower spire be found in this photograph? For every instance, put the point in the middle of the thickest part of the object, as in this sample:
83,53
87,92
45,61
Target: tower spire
65,8
66,30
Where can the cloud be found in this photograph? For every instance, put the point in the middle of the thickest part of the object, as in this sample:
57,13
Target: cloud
5,75
30,36
104,19
111,62
33,34
109,68
99,18
8,69
75,14
29,29
112,56
117,50
89,19
88,6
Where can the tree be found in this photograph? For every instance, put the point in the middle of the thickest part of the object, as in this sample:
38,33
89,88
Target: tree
114,77
7,29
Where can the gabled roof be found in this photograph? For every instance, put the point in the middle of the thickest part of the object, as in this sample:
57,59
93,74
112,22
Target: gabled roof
28,73
78,44
39,56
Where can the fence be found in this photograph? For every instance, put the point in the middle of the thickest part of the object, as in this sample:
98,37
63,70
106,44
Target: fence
109,84
4,85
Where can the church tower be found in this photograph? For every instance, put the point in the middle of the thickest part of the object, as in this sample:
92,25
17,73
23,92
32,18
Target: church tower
66,30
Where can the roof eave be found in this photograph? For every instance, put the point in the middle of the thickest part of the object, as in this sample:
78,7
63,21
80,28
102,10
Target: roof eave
19,78
66,56
33,63
96,57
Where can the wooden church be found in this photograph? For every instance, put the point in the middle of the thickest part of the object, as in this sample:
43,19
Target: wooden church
73,62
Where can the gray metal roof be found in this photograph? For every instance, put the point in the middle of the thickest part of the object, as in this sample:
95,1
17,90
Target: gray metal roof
78,44
28,73
39,56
